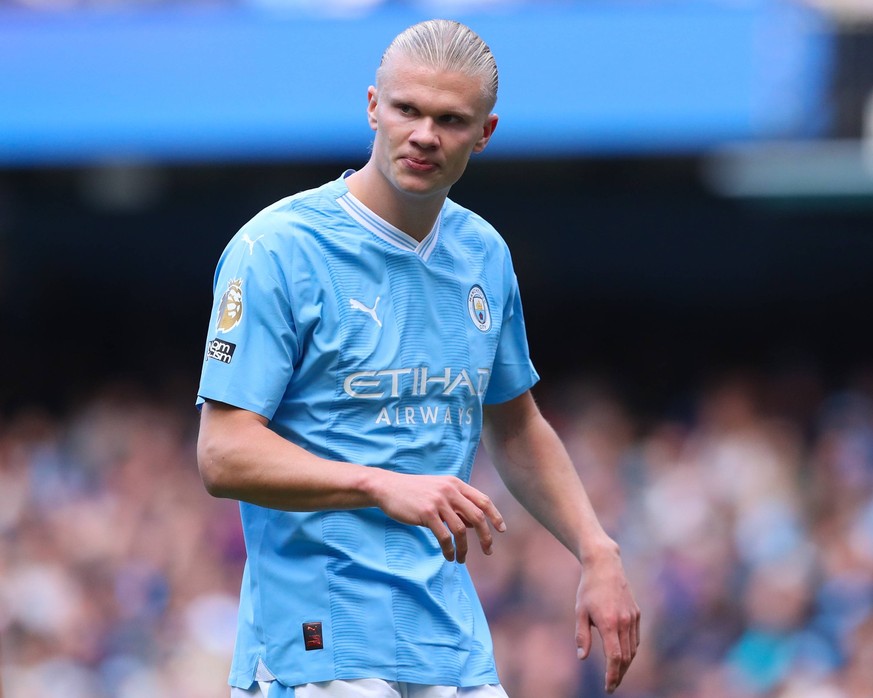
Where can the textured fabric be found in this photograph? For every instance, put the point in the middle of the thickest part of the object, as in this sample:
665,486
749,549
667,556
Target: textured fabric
360,344
367,688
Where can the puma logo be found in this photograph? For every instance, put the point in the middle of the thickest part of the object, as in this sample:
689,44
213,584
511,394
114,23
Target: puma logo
251,243
357,305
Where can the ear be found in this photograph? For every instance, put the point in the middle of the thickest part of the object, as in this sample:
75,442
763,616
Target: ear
372,101
487,132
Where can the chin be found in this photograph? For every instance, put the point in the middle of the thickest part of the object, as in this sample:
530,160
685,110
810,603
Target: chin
415,187
424,184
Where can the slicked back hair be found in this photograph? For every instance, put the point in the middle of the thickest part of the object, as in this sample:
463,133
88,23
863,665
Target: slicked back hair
448,45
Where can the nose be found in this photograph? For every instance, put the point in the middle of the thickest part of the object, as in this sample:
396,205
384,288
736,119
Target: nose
425,135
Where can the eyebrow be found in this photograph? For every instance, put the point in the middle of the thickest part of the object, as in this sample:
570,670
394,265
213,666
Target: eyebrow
460,112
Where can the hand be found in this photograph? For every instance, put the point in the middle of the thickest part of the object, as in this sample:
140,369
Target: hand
446,505
605,601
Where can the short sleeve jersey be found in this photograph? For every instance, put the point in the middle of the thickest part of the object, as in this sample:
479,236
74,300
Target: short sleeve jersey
360,344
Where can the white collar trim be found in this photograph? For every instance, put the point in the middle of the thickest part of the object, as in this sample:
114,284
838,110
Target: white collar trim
387,232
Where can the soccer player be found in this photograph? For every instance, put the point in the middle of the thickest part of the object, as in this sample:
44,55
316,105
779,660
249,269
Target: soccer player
365,336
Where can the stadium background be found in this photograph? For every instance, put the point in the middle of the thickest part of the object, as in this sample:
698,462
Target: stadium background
687,190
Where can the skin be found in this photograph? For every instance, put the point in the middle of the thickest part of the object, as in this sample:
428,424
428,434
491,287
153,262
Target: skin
428,124
538,471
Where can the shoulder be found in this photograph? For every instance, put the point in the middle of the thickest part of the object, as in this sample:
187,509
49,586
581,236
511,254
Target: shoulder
457,217
300,209
467,228
292,220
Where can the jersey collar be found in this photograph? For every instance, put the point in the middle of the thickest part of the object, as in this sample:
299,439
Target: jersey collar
387,232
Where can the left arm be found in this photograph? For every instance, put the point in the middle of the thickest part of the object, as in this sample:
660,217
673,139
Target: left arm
537,470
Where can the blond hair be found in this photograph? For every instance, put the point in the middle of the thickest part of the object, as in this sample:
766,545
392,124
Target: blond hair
444,44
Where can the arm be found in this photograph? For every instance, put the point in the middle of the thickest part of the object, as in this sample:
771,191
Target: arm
240,457
537,470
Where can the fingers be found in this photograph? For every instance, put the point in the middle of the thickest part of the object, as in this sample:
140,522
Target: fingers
446,505
484,504
478,512
444,536
617,661
620,643
613,672
620,647
458,527
465,507
612,650
477,521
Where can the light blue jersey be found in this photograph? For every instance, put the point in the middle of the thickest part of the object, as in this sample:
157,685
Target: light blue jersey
360,344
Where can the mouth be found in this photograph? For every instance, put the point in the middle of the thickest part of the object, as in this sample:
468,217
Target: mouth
419,165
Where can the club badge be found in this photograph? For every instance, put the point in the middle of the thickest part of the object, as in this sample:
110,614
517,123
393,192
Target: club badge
477,304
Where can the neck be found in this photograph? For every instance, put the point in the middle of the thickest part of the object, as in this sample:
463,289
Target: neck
414,215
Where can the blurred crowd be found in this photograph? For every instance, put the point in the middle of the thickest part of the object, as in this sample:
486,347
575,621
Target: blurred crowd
744,514
324,7
848,9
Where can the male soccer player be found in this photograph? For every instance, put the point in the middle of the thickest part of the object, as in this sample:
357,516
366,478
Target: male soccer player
365,335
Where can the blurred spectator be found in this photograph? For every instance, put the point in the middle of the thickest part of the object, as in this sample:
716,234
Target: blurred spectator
118,577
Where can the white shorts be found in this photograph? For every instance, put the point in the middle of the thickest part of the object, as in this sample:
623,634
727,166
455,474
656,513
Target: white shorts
374,688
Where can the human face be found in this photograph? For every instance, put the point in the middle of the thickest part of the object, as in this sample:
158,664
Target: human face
428,123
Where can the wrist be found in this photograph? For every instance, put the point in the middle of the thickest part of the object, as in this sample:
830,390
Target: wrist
604,549
372,485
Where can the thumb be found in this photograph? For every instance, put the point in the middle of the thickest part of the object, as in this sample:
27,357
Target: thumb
583,636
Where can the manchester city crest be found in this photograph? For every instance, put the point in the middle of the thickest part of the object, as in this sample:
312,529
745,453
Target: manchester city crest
477,304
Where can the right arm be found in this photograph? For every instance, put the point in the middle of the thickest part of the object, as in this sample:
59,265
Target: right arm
240,457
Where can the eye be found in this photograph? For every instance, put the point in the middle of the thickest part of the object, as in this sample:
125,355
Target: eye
451,119
405,109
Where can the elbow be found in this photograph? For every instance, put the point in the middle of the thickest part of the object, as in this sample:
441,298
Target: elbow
213,471
224,451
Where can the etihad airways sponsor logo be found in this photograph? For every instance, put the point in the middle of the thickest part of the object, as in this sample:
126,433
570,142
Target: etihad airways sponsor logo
397,382
423,383
425,415
415,382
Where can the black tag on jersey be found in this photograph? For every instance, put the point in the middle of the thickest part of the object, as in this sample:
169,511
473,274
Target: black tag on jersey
312,637
220,351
